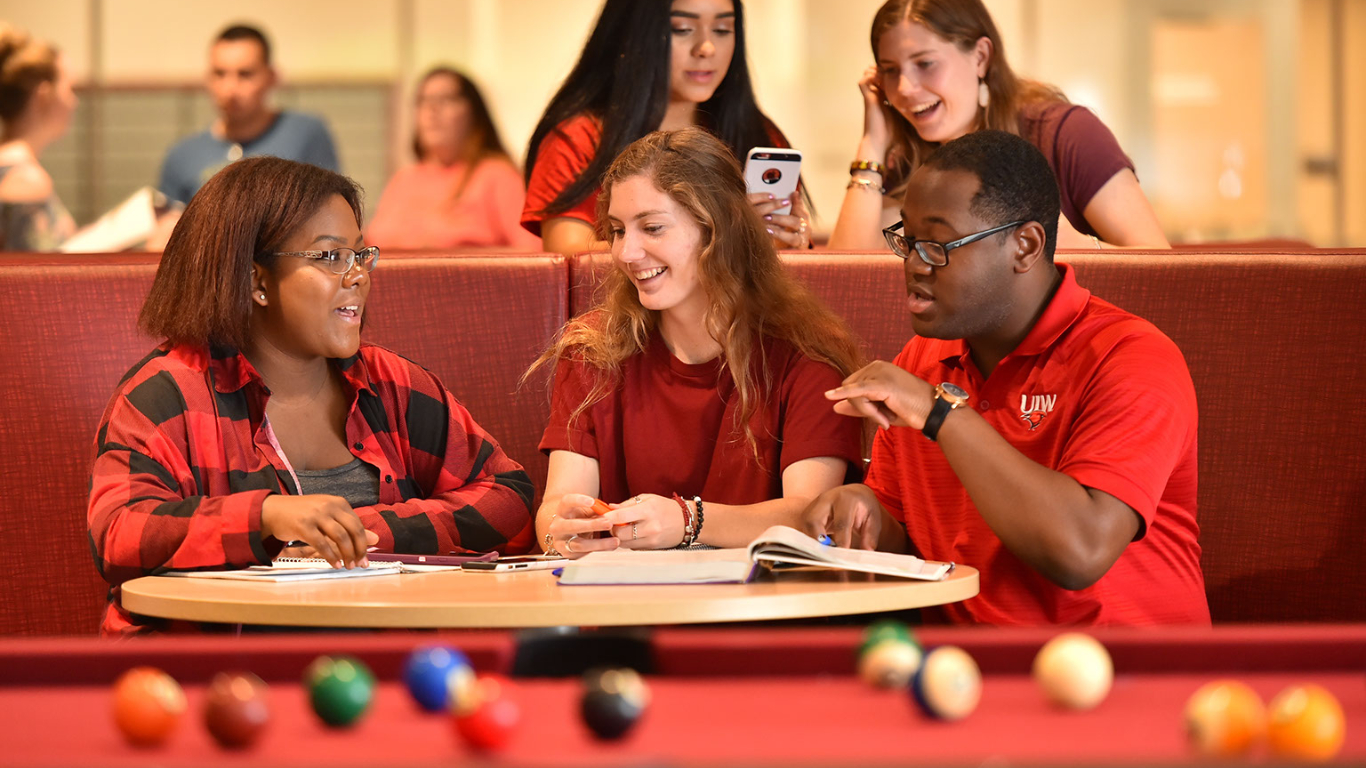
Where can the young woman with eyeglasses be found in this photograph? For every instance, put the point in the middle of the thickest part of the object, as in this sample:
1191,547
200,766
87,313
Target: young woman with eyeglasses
648,65
263,421
940,72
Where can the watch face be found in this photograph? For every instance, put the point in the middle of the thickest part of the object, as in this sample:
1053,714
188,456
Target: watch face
954,392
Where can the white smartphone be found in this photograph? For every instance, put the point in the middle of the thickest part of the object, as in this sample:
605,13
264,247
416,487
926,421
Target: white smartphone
514,563
773,171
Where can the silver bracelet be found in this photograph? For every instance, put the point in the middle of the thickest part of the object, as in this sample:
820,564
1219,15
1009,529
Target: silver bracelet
865,183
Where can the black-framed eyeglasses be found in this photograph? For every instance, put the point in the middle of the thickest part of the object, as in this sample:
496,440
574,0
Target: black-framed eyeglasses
339,261
934,253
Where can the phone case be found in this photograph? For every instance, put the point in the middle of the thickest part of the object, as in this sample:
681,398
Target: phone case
774,171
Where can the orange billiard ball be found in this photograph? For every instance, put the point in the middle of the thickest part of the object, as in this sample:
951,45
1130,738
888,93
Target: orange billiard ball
1224,718
1306,723
148,705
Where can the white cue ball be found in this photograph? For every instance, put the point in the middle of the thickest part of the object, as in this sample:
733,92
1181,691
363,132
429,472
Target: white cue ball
889,664
1074,671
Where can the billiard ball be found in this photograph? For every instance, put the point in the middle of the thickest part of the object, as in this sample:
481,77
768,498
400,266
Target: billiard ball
1305,722
887,629
613,701
432,671
1074,671
1224,718
486,717
948,684
148,705
236,709
890,664
340,689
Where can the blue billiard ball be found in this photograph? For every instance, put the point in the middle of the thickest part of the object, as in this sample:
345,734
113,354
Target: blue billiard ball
432,672
948,684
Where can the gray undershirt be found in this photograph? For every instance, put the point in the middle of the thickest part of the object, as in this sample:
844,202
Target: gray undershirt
355,481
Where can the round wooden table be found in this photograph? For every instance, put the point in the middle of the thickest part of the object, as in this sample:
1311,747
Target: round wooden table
533,599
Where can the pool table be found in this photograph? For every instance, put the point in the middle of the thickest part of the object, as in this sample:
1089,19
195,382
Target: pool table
742,695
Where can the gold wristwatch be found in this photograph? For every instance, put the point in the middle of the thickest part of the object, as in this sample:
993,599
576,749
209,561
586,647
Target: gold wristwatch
947,397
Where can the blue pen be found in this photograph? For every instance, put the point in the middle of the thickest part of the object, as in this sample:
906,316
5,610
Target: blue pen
826,540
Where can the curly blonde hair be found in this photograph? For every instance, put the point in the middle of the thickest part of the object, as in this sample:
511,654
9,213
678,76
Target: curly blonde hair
750,295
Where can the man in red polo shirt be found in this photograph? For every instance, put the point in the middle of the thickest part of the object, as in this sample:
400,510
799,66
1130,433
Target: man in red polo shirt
1029,429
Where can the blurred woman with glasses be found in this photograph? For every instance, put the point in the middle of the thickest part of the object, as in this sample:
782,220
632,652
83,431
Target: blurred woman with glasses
464,190
263,421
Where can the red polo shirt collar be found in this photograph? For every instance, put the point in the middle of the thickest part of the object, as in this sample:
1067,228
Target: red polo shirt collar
1067,304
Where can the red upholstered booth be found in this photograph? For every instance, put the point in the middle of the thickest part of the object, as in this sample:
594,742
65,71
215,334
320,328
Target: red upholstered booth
1274,342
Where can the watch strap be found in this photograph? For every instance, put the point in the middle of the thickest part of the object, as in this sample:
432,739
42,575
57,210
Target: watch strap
935,420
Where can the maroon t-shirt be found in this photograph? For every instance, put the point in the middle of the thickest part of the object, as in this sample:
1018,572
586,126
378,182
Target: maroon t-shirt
1079,148
669,427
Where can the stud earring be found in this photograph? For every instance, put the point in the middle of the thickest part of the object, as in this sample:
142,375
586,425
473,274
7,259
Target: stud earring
983,94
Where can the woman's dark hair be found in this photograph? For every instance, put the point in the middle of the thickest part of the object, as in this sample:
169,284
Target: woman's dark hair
202,290
622,79
481,141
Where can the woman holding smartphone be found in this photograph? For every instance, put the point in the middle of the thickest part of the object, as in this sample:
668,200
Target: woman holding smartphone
692,396
940,72
648,65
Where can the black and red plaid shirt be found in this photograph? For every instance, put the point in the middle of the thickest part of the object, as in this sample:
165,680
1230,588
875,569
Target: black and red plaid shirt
182,466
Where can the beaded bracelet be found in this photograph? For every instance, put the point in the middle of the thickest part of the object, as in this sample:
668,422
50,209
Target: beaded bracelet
689,532
868,184
866,165
697,530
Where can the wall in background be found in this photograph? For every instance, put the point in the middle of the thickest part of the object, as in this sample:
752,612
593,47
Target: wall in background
806,56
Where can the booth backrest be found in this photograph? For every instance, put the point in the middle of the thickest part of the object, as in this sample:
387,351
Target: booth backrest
477,323
69,336
1275,344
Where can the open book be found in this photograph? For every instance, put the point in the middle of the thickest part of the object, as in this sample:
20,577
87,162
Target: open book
128,224
779,545
295,569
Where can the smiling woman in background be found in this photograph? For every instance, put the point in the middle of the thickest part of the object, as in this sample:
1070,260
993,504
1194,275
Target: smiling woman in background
464,191
648,65
940,72
263,419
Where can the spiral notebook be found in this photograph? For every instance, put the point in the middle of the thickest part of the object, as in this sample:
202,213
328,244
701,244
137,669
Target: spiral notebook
296,569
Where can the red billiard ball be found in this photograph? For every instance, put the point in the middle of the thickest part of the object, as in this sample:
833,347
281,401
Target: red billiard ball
485,716
236,709
148,705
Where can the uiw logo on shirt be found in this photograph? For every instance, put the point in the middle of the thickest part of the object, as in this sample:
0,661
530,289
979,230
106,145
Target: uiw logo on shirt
1033,409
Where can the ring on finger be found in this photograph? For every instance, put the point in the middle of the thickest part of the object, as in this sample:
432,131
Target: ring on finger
635,534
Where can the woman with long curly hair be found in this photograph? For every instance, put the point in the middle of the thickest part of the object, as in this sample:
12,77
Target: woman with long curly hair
691,397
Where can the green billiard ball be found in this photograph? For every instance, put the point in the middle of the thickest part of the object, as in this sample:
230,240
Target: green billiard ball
340,689
887,629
